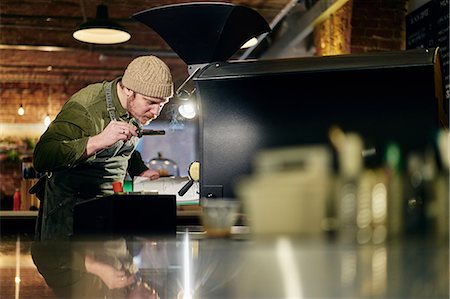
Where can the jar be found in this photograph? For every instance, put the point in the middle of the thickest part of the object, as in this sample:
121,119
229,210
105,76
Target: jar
165,167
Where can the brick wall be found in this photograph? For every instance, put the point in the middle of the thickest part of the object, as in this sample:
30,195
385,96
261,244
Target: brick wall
363,26
42,81
38,99
333,36
378,25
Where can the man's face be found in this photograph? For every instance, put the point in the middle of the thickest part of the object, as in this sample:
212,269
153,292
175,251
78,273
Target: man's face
144,108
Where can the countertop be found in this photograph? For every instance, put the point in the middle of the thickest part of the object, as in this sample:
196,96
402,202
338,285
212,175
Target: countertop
241,266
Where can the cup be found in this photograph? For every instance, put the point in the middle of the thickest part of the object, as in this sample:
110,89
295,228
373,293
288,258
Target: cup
218,216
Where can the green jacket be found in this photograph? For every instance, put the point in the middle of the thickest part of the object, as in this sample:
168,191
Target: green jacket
73,177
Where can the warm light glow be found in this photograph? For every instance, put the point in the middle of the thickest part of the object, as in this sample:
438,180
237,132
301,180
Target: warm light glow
379,203
187,268
47,120
288,266
22,130
21,110
101,36
17,277
101,30
364,196
187,110
379,272
250,43
348,268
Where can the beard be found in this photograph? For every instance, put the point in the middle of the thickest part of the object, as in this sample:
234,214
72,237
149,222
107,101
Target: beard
146,121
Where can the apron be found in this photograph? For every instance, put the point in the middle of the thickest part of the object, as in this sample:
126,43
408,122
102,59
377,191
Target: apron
87,180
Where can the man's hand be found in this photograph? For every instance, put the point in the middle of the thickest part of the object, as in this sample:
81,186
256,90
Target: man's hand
112,277
151,174
114,131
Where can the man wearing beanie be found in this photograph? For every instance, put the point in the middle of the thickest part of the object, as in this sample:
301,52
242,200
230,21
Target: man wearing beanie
92,141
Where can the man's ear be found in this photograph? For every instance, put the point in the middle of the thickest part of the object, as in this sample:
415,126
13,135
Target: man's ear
128,92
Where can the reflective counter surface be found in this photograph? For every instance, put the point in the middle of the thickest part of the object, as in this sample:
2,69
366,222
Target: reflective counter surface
192,265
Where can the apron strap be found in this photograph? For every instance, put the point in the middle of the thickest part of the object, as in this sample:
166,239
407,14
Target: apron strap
109,102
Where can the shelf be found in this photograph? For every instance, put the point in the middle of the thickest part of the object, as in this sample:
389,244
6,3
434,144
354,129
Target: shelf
18,214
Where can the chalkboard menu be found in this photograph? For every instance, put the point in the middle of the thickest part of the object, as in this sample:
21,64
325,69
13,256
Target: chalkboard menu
419,29
427,27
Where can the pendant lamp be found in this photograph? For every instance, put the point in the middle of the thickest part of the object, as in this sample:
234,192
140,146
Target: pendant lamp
101,30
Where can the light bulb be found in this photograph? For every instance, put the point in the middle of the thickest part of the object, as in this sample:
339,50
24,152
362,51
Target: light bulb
187,110
47,120
21,111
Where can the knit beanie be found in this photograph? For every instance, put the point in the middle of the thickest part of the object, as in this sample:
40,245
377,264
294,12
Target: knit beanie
150,76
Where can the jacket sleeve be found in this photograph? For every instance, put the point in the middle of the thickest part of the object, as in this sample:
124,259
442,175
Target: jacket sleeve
135,165
64,142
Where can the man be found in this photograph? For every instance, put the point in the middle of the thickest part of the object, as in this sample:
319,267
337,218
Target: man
100,269
91,142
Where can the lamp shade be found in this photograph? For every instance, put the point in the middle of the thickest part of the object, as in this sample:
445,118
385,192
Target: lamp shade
101,30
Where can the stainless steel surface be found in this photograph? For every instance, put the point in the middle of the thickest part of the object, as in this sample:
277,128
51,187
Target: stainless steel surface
272,267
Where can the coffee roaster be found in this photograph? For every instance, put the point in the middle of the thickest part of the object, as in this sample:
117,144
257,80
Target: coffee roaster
247,106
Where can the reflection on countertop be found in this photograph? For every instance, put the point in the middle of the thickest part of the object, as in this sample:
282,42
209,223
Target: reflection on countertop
194,266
